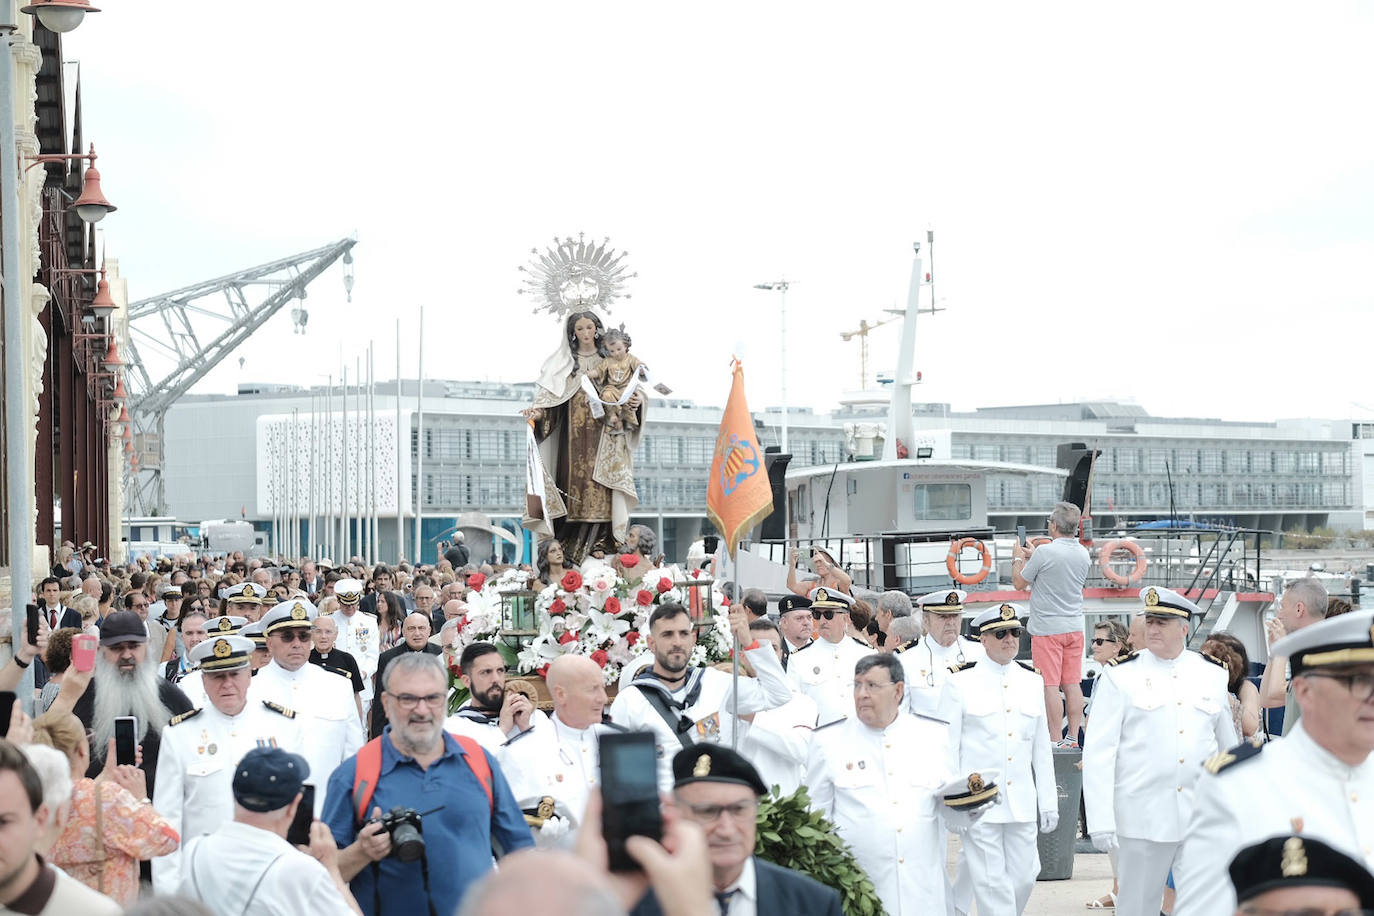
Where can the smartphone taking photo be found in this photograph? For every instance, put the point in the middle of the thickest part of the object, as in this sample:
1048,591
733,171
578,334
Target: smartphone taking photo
83,652
629,793
7,698
298,834
126,740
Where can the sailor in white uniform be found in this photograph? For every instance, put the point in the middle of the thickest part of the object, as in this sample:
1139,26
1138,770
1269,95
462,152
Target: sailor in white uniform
1320,775
929,658
358,634
216,626
200,748
323,702
1158,713
777,741
1003,727
824,669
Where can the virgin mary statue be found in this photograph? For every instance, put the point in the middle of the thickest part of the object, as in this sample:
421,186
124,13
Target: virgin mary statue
589,484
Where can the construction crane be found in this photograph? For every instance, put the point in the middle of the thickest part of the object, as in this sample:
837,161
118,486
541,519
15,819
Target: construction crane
173,324
862,334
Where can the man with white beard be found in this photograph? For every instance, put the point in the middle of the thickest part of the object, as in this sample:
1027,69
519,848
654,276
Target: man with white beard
126,683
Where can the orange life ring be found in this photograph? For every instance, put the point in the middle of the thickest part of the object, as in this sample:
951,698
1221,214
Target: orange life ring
952,561
1039,542
1104,562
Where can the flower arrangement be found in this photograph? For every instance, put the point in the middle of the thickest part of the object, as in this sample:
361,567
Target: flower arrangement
591,612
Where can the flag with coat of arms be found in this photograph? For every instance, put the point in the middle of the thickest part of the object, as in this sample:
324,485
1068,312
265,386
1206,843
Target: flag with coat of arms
738,495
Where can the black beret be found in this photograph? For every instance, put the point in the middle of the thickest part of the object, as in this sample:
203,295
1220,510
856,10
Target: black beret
793,603
1298,861
715,763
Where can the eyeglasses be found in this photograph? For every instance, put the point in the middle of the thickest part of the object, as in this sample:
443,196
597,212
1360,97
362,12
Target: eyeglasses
1361,686
1101,641
1010,631
828,613
860,686
739,811
293,635
410,700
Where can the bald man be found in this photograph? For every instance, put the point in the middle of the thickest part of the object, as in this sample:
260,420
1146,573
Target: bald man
453,609
561,761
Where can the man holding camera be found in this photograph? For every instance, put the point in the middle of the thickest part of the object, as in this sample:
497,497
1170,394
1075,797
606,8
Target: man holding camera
411,768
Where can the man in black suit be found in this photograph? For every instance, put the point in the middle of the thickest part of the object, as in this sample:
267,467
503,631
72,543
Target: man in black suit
415,630
719,790
50,606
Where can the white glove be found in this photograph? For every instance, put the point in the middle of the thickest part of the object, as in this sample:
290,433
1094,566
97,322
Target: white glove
1104,842
553,830
1048,821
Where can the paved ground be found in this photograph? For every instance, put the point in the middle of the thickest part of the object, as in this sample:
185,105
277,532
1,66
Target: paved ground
1092,877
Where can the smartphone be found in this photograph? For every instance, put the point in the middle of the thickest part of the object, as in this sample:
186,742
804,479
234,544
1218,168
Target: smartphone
629,793
31,622
7,698
126,740
1021,535
83,652
298,834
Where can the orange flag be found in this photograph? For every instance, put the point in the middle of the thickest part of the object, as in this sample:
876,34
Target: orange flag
738,495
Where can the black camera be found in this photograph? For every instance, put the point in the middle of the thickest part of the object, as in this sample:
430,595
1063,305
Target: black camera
403,826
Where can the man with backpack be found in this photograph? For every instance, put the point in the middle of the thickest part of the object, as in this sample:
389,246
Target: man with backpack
416,774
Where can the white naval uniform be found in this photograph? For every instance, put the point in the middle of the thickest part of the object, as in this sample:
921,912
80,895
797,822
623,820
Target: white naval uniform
359,635
778,740
554,759
1154,722
1003,727
488,731
325,711
1258,795
245,869
194,687
195,772
824,671
926,666
714,700
881,788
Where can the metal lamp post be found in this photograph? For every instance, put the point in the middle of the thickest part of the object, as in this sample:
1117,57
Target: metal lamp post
781,286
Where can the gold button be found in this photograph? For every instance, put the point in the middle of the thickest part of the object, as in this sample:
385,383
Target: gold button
1008,760
1180,760
1180,788
1180,731
1008,782
899,829
1354,797
900,860
1008,734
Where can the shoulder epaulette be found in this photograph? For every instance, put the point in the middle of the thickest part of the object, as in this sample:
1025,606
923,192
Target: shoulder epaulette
277,707
1227,759
955,669
1028,666
917,715
1214,660
906,645
177,720
1123,659
828,724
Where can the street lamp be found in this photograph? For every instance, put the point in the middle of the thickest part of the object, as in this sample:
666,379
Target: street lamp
781,286
60,15
91,206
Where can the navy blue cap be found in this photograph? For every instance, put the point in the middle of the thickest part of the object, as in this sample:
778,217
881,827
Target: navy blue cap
269,778
715,763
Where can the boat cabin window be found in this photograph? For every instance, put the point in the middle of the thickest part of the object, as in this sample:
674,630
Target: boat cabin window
943,501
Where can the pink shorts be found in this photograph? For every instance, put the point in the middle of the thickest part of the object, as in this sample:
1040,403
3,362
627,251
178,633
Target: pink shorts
1059,658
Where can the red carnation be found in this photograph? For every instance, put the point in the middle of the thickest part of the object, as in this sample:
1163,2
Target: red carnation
558,608
644,597
476,580
543,670
632,637
567,637
725,600
629,560
571,581
612,605
664,585
599,656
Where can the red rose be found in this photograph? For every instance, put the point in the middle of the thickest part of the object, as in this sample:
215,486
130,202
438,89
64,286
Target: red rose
725,600
629,560
612,605
543,670
476,580
558,608
696,574
567,637
644,597
599,656
632,637
571,581
664,585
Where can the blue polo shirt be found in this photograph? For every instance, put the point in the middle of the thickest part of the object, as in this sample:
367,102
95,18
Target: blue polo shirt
458,839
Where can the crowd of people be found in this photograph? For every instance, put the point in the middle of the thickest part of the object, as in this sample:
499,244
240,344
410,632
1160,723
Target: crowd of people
257,691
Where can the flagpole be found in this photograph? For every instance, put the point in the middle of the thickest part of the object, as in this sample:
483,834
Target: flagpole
734,669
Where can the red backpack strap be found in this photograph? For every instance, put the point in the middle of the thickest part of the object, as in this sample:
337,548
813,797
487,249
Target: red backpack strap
366,771
477,761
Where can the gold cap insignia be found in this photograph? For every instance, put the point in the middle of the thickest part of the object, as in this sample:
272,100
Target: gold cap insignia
975,782
1151,597
1294,861
1008,612
248,592
703,767
225,623
298,611
545,809
952,598
821,595
223,649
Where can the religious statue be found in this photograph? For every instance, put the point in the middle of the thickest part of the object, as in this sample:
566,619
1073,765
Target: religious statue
589,488
616,380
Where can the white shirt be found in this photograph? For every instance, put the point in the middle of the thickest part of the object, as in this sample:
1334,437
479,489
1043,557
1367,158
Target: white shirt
824,671
554,759
881,788
325,712
1154,722
744,900
195,770
778,741
1002,726
927,666
1259,796
359,635
223,871
486,733
716,698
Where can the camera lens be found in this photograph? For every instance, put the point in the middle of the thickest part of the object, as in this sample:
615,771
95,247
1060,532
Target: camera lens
406,842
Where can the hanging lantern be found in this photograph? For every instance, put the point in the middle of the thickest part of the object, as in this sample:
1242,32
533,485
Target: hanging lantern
518,625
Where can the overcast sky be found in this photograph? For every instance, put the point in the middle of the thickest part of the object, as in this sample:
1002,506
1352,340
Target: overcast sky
1167,203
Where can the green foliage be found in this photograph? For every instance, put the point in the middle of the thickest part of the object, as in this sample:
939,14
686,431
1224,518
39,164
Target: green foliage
790,834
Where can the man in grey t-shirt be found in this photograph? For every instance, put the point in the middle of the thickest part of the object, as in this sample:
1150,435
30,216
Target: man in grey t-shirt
1055,573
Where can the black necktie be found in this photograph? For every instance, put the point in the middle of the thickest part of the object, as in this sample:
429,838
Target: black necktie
723,900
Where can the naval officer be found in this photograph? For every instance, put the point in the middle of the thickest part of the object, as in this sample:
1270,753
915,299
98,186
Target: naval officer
323,702
1002,727
1320,774
1158,713
191,683
824,669
358,633
200,749
928,659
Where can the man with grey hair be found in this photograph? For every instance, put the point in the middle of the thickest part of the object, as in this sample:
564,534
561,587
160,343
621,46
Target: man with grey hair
892,605
902,631
1054,574
1303,603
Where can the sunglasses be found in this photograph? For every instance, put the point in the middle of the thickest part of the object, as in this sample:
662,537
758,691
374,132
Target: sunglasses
294,635
828,613
1011,631
1098,642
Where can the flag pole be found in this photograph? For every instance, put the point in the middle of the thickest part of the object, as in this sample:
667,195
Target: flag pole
734,668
